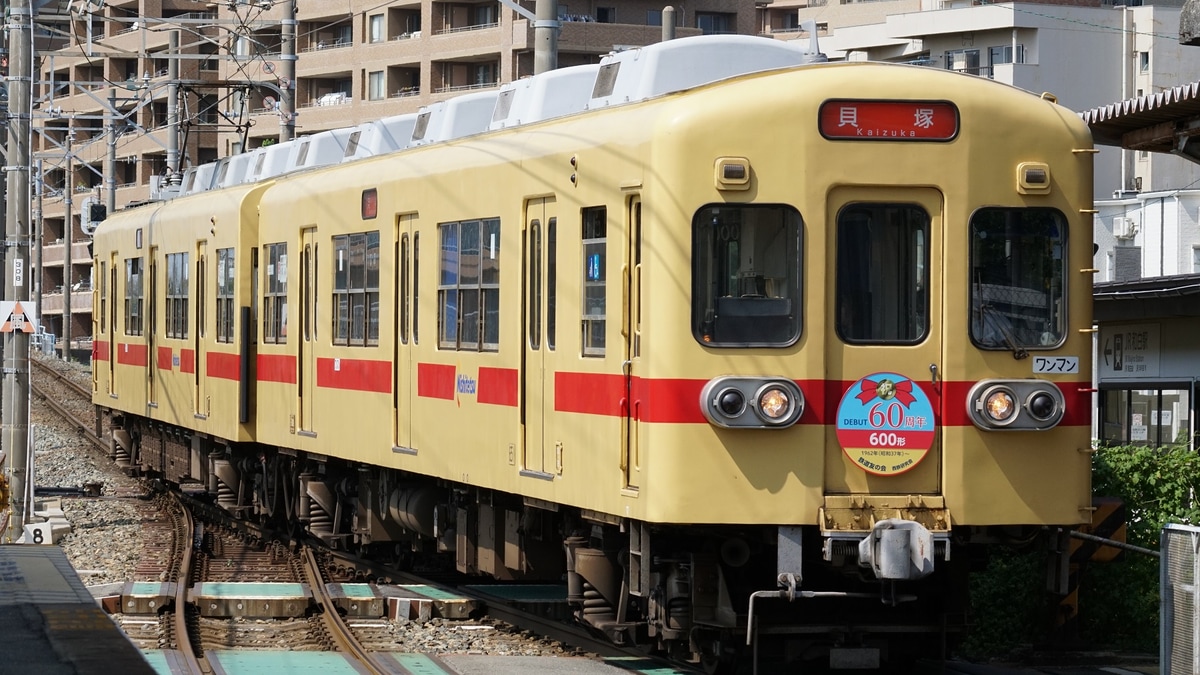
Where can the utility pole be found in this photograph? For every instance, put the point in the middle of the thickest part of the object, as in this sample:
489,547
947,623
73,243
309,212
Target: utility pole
287,83
14,432
172,111
68,239
110,157
545,36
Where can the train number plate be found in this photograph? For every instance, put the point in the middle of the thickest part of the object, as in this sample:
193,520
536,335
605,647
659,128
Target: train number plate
1056,364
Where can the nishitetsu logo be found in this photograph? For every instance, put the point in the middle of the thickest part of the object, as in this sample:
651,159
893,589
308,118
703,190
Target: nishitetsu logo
885,424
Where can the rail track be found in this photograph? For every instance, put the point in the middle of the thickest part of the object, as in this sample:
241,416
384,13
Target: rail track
191,542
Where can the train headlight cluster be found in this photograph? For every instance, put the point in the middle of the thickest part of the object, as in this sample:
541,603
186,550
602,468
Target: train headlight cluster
1015,404
752,402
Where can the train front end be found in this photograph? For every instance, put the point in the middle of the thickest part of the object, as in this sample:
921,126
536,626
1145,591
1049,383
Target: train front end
888,322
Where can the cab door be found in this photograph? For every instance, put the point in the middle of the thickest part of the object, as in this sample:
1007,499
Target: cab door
536,384
308,329
884,341
631,331
150,330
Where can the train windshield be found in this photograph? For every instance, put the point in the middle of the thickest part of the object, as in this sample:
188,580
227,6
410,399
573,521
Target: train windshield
1018,279
883,274
746,277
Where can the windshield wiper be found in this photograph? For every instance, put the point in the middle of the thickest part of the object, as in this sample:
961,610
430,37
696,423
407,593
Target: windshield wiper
1002,325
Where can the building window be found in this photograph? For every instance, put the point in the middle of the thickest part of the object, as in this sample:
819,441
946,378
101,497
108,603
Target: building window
275,296
606,15
376,88
375,28
595,233
1153,418
469,286
1196,259
225,276
356,289
713,23
177,295
134,280
654,17
963,61
485,73
1144,61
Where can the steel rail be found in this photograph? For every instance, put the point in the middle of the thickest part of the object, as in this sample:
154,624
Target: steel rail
183,641
338,629
70,417
83,392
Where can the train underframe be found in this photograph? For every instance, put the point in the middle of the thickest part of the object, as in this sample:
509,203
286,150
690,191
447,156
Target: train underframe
708,594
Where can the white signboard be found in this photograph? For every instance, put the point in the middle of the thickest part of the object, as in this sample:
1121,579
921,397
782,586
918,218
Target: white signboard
1129,351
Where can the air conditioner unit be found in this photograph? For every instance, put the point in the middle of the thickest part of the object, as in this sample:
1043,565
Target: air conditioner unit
1124,227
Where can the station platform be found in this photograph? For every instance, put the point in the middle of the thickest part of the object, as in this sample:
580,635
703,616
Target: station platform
52,625
246,662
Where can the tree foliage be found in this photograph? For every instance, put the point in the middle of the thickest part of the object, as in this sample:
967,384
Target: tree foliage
1118,601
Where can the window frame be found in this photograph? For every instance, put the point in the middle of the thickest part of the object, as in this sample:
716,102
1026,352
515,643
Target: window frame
135,289
355,288
177,296
468,285
226,258
274,293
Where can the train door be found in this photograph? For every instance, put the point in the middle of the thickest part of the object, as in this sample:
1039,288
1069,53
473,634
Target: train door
405,308
150,329
631,330
200,406
537,386
884,341
308,328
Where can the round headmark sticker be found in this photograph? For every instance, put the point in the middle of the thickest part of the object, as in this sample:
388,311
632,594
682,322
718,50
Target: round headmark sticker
885,424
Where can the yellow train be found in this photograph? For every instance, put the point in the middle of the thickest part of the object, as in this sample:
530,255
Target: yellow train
738,345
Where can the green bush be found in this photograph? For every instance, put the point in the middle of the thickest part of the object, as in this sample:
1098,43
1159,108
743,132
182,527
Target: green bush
1118,601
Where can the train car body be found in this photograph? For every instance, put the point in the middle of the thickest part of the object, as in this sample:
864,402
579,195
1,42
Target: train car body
806,335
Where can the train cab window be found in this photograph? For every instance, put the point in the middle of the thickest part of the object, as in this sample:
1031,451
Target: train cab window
356,289
882,274
134,280
275,297
469,285
595,228
177,295
225,278
746,275
1018,278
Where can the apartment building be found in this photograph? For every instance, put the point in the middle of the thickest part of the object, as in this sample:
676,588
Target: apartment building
106,80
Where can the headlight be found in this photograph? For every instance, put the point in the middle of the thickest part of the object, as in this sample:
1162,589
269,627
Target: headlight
773,403
727,401
1014,405
1000,406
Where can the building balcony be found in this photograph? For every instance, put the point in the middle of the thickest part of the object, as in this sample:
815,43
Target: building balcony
54,255
53,302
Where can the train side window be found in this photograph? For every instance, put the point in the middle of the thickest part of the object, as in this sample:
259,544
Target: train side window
595,242
402,300
225,278
535,284
882,274
551,280
356,289
275,295
469,285
1018,279
134,280
103,296
177,295
746,275
416,283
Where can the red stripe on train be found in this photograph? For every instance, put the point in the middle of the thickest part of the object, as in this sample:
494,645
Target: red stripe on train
222,365
277,368
678,400
355,375
100,350
435,380
498,386
132,354
187,360
164,358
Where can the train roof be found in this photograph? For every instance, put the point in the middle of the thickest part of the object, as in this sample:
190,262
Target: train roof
620,78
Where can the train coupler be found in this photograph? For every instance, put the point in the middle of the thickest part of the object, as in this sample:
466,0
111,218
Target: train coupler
897,550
